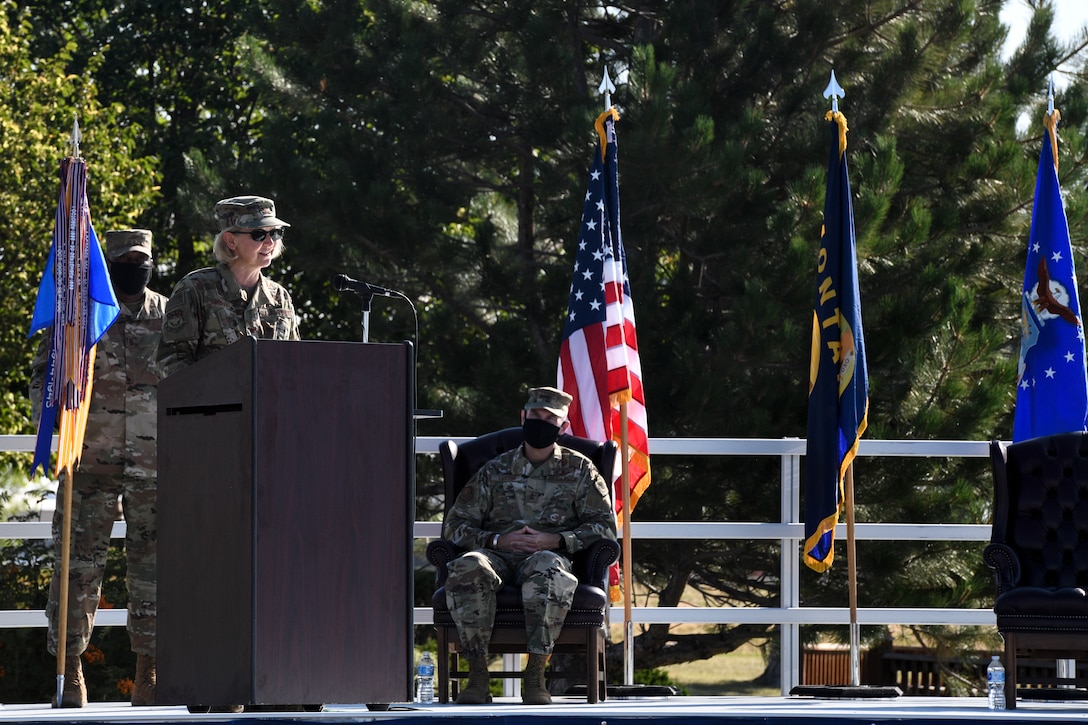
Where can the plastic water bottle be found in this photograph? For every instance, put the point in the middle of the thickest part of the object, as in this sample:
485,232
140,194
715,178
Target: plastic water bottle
995,684
425,679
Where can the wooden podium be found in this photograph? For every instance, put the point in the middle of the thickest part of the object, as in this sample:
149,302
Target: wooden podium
285,513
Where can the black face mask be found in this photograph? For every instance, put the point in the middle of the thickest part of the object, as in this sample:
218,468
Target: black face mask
539,433
129,278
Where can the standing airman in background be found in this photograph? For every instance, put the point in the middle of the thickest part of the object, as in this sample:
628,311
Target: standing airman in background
117,472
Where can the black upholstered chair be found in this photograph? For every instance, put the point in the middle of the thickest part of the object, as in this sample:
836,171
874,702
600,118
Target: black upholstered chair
1038,551
584,628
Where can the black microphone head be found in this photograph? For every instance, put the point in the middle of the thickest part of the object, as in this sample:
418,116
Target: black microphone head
340,282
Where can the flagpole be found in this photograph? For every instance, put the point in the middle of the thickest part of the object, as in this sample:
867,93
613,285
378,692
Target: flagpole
852,576
838,395
66,535
600,249
606,88
834,91
65,563
628,625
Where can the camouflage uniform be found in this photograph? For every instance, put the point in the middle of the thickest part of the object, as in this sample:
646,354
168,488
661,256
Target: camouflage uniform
564,495
209,310
119,460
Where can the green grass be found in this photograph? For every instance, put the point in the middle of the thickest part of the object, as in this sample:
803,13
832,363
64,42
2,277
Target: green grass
727,674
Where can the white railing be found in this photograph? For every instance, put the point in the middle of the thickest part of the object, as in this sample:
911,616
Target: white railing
789,532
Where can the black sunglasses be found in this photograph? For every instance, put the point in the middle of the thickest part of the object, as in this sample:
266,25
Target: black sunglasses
259,234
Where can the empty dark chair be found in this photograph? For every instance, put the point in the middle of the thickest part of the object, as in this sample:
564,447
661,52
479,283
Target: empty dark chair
1038,551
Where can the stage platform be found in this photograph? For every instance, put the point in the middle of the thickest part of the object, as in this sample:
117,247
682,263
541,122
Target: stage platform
575,711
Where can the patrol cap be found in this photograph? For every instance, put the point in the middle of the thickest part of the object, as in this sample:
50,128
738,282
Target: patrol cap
550,399
123,241
246,212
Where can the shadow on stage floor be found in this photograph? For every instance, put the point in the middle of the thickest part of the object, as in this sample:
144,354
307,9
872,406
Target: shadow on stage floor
575,711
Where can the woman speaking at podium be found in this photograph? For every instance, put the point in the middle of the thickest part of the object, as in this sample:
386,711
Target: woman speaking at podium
213,307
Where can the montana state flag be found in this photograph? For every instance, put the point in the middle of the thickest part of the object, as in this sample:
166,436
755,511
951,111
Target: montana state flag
838,398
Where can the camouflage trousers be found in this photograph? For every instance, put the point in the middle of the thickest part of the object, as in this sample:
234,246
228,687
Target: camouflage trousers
94,509
547,590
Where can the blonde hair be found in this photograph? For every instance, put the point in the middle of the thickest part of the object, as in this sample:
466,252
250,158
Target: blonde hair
226,255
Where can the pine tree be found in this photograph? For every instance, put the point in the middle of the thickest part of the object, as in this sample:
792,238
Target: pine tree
39,104
941,184
441,148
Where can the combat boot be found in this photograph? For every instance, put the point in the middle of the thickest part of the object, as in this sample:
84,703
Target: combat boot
533,690
75,689
143,689
478,691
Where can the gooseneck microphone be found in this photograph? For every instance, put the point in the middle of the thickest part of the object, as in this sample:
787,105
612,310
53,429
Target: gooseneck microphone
344,283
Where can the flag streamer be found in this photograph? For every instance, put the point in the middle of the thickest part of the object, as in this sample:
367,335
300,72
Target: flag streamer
838,400
76,301
599,360
1052,382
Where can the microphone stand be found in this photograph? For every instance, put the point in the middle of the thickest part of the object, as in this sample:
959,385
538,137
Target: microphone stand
366,300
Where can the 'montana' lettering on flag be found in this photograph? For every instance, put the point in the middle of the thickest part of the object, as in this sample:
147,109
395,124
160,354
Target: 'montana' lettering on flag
830,317
839,338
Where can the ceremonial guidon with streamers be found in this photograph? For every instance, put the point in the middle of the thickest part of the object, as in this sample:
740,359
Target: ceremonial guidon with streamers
77,304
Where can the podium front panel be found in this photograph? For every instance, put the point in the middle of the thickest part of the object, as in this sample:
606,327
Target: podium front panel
285,531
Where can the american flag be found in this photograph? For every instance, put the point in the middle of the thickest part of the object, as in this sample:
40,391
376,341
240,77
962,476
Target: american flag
598,361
